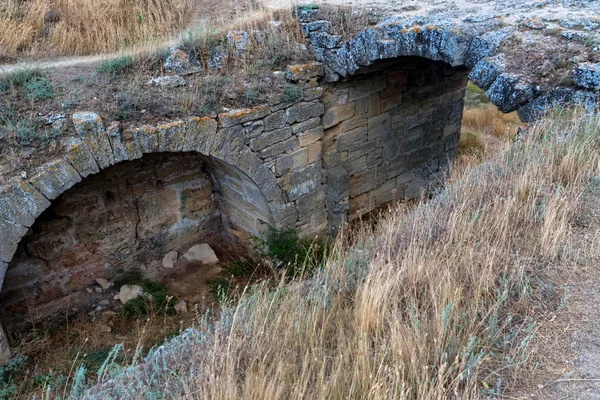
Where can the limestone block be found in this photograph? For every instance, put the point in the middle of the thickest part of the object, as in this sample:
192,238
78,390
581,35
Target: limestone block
310,136
364,48
275,121
129,292
310,94
301,182
321,25
170,259
201,252
587,76
390,103
270,138
11,235
146,138
254,128
349,139
279,148
79,156
338,180
485,72
304,111
306,125
314,152
366,88
360,205
200,133
486,45
304,71
236,117
54,178
21,203
338,113
507,93
90,129
292,161
380,125
324,40
362,182
171,136
454,47
228,143
355,165
124,145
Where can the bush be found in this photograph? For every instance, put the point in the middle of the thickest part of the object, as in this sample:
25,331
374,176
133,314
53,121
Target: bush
115,67
158,301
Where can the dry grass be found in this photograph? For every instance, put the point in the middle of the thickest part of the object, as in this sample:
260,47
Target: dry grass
488,120
438,302
83,27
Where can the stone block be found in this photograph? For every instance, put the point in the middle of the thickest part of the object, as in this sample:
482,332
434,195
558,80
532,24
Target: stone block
314,152
338,180
359,205
355,165
310,94
90,129
362,182
366,88
385,193
123,143
292,161
146,137
279,148
380,125
299,183
304,71
200,134
304,111
486,71
275,121
79,156
389,103
229,143
350,139
270,138
587,76
171,136
306,125
237,117
254,128
310,136
11,236
54,178
21,203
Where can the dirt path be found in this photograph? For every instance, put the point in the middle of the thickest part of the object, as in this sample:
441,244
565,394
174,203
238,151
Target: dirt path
569,341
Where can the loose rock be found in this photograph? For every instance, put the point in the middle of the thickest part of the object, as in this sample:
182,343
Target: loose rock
181,307
167,81
170,259
203,253
129,292
104,283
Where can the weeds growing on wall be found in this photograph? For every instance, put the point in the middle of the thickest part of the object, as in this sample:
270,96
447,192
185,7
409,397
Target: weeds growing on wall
436,302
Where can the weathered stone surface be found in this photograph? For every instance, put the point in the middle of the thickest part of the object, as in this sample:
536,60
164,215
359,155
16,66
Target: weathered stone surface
304,71
169,81
179,62
239,41
181,308
200,133
338,113
301,182
11,236
146,138
269,138
485,72
236,117
171,136
123,143
508,94
21,203
304,111
201,253
79,156
275,121
90,129
280,148
587,75
291,161
170,259
310,136
54,178
306,125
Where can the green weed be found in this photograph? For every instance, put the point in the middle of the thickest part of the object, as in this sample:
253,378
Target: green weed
118,66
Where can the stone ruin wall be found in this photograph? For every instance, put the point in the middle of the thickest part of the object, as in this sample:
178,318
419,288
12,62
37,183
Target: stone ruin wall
391,131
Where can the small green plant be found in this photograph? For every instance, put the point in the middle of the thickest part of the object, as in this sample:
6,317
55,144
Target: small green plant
157,301
470,144
8,373
18,79
220,288
38,88
285,249
308,7
291,93
118,66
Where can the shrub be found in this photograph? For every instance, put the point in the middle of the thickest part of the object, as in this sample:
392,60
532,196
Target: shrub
158,301
18,79
38,88
115,67
291,93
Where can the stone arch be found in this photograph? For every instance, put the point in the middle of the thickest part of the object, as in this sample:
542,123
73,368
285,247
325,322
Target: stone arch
23,199
391,129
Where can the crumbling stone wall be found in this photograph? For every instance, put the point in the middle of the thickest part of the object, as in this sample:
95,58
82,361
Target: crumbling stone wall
391,130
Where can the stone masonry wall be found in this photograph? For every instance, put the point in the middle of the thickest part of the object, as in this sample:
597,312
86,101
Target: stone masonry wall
126,217
390,131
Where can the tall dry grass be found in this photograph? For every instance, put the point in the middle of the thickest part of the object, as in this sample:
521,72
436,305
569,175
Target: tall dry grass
437,302
82,27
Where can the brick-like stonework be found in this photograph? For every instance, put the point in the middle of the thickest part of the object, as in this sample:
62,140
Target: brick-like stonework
392,130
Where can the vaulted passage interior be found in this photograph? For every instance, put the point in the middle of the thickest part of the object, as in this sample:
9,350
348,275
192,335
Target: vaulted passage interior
391,130
127,216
